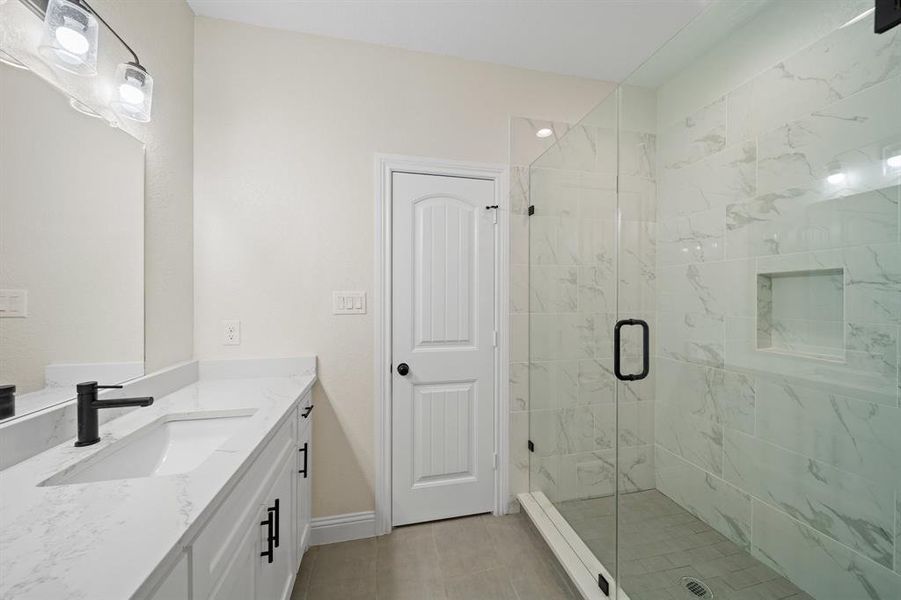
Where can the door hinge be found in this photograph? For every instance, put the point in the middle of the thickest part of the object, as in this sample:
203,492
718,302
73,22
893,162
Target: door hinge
494,338
602,583
531,446
531,210
494,214
495,461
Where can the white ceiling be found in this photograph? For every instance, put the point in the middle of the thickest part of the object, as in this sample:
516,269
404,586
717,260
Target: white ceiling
599,39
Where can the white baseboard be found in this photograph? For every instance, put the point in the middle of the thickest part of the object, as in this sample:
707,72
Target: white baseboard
342,528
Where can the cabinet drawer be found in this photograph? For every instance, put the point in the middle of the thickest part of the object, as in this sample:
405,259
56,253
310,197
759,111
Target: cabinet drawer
220,539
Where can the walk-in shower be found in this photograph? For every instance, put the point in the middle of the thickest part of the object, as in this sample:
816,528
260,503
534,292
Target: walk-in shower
738,196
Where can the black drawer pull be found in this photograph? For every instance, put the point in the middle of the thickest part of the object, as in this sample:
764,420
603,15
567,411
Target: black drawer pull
275,510
306,455
306,413
270,538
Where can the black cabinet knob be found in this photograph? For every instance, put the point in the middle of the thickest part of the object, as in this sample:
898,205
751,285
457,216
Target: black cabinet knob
403,369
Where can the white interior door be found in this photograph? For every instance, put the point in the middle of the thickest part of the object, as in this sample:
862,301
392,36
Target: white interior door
443,262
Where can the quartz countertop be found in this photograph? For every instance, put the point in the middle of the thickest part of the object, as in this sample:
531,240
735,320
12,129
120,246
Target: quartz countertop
103,540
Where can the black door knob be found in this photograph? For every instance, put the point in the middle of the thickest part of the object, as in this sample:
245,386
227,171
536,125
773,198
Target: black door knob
403,369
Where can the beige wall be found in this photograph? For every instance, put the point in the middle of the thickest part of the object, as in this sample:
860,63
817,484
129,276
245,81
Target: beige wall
163,35
286,127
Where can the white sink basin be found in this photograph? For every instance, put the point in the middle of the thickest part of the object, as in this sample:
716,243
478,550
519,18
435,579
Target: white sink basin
175,443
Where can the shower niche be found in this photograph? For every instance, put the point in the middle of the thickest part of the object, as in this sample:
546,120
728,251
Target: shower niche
802,313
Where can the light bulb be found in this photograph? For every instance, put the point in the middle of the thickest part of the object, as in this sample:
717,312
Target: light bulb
134,92
72,41
894,161
70,37
544,132
130,94
836,178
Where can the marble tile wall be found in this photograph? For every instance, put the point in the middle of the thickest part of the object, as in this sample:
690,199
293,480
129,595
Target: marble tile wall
794,456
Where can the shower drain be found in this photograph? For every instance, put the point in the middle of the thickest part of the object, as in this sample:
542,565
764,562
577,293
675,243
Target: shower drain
697,588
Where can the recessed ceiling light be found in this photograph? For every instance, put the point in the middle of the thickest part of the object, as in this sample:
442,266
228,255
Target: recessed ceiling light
544,132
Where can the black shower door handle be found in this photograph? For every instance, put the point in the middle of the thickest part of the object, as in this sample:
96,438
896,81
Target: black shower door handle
645,343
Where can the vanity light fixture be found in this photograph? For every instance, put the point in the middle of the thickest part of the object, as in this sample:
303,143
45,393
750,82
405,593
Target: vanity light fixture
70,37
70,42
544,132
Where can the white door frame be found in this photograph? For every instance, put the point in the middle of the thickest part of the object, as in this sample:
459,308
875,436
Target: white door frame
386,165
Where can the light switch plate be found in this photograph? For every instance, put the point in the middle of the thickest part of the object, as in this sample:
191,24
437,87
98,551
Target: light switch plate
231,332
13,303
349,303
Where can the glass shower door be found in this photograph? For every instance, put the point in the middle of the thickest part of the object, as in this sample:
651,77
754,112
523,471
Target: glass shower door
572,311
740,194
762,455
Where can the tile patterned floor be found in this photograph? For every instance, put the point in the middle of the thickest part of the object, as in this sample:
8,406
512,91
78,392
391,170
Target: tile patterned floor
661,542
472,558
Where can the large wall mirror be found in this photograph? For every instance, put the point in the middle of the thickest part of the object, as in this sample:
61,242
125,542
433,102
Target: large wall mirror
71,247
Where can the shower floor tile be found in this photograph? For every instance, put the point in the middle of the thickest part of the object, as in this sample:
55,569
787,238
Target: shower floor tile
661,542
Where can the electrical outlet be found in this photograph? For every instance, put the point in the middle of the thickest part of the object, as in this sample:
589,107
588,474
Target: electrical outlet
231,332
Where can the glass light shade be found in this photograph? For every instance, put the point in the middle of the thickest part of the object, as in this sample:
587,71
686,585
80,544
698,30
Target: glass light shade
70,37
132,92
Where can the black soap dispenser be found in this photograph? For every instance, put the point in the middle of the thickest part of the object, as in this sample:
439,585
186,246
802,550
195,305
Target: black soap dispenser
7,401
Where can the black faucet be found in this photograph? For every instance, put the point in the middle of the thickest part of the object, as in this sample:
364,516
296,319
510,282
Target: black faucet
88,404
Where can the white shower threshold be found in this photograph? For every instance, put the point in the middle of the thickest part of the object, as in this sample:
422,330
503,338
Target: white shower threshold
577,559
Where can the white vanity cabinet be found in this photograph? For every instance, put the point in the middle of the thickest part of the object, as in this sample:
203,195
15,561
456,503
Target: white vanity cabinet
253,544
262,564
302,493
